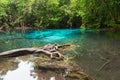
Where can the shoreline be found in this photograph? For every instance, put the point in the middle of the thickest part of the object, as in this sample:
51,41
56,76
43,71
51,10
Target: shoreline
4,30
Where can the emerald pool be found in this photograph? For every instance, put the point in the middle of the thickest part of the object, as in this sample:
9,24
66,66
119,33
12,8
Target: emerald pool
98,51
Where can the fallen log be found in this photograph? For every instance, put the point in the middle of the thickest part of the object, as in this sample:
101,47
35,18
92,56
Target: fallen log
51,50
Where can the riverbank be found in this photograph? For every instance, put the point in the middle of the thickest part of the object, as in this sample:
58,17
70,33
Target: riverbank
4,30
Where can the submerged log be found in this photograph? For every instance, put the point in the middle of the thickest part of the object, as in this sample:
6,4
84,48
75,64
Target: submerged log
51,50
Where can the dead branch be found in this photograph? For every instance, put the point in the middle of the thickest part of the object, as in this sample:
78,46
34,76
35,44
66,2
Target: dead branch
107,62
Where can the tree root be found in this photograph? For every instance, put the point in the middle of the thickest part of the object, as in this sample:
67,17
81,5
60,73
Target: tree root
51,50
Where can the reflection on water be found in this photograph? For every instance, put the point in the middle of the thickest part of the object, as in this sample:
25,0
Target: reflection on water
22,68
95,47
23,72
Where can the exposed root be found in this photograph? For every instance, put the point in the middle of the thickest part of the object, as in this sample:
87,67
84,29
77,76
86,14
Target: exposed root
51,50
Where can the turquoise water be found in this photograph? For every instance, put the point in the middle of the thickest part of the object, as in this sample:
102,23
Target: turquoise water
31,38
98,51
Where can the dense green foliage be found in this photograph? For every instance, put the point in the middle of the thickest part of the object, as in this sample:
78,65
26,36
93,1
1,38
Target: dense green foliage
39,13
102,13
59,13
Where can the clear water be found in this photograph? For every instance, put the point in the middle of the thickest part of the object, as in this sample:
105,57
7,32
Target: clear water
98,52
23,72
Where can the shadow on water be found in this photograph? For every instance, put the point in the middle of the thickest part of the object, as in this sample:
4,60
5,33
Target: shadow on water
97,51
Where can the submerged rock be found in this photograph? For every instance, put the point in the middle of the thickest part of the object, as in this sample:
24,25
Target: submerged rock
63,70
7,64
44,67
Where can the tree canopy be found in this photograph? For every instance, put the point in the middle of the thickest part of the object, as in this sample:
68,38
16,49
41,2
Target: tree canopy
60,13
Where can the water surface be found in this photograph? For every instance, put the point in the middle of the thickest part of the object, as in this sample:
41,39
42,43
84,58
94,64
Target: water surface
98,51
23,72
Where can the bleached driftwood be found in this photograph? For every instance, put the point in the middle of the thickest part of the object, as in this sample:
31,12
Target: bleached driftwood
51,50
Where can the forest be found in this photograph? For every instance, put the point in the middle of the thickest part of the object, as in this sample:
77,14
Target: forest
59,39
59,14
